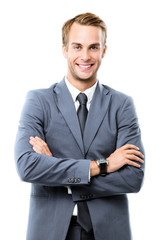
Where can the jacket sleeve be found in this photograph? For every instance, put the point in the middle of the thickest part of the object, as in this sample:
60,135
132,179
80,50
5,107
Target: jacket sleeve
40,168
128,179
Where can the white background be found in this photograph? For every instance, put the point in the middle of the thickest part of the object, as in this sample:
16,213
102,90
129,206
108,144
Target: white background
135,63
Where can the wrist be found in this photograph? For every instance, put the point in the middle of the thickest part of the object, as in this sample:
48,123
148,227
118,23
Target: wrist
94,169
102,164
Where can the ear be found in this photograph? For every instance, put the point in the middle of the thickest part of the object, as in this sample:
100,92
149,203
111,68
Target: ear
64,50
104,51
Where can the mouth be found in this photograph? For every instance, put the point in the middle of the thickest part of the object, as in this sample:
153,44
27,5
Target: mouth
85,66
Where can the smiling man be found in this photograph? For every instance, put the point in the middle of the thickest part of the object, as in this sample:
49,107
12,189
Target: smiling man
84,52
79,145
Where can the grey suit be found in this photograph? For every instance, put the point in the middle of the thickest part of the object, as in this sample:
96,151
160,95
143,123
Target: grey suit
50,114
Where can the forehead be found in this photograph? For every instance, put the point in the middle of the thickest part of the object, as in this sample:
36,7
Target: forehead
85,34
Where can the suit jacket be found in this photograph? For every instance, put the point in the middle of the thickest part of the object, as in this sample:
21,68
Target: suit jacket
112,122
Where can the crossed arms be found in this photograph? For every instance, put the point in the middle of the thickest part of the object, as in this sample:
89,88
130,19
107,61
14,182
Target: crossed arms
126,155
37,165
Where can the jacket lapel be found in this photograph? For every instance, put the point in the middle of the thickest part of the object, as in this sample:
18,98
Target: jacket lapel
66,106
97,111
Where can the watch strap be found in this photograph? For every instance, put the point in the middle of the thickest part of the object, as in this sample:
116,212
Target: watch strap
103,169
102,164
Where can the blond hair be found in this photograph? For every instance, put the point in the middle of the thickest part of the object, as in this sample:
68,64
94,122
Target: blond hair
88,19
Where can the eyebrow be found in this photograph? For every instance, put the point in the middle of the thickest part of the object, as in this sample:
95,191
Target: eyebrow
92,44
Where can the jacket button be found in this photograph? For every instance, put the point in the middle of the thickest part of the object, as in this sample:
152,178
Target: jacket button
69,180
78,180
82,196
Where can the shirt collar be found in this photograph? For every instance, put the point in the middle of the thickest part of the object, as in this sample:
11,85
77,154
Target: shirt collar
74,91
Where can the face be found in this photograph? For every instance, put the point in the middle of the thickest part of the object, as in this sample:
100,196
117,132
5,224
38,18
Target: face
84,52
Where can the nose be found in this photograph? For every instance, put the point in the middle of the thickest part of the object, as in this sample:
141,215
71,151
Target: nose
85,56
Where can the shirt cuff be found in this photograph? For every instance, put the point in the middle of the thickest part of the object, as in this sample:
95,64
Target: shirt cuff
89,175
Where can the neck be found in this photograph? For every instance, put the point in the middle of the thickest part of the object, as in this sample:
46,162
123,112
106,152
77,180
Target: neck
82,85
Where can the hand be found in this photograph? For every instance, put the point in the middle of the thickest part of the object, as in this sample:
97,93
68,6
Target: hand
39,146
125,155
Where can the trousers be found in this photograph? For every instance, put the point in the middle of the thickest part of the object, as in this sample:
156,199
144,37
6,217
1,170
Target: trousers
76,232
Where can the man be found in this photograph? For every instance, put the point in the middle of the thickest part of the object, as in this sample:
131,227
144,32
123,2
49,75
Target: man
85,152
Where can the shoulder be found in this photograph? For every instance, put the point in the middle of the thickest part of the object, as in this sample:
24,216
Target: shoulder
42,93
120,102
117,96
122,105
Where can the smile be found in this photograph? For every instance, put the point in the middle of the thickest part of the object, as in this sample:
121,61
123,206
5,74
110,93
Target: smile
85,66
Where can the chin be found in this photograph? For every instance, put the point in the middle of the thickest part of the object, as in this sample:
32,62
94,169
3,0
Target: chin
86,79
90,79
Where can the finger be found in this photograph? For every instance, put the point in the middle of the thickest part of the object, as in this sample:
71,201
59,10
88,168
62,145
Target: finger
40,141
134,164
32,138
36,139
43,145
39,146
32,141
36,149
130,146
135,152
135,158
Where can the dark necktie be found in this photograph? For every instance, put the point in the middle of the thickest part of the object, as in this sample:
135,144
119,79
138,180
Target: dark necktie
83,217
82,111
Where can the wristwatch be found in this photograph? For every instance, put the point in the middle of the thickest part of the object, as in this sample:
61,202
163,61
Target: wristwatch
102,163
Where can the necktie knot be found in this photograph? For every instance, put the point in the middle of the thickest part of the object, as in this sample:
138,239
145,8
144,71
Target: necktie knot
82,98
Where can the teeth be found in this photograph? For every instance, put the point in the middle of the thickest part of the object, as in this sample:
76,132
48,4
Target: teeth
87,66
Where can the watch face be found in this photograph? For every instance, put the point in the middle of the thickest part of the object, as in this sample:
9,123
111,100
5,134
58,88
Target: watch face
103,161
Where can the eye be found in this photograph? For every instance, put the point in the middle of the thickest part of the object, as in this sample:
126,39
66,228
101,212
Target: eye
94,47
77,47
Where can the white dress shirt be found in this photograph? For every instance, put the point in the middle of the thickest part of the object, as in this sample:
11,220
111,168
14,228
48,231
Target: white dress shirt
74,93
